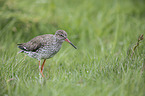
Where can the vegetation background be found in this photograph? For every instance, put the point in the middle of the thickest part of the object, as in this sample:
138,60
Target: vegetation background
104,31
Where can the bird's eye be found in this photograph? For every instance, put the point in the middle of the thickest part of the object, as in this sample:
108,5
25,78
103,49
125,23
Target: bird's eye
61,35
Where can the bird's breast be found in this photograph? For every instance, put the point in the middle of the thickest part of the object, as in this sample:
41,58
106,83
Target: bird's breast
49,51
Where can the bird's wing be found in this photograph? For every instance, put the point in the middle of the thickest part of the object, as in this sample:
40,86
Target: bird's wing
32,45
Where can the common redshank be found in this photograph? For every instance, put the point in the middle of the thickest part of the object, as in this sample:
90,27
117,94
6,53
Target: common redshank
44,46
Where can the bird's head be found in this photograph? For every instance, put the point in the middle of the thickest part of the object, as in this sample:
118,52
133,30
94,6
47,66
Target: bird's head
62,36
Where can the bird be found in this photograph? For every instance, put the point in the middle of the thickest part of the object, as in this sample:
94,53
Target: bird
44,46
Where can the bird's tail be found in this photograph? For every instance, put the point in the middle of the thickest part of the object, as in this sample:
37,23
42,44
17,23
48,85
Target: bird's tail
21,47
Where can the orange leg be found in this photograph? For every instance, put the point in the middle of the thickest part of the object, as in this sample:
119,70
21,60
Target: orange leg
42,67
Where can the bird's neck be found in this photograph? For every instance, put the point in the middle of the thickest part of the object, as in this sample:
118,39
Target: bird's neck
59,40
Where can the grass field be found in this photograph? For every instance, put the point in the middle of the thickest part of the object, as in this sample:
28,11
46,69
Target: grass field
104,32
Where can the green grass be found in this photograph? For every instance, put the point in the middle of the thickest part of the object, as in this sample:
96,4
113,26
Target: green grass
102,30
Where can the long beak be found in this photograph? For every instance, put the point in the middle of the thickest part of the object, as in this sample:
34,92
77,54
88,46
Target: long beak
67,40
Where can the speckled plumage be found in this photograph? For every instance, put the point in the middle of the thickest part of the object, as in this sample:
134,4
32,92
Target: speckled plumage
44,46
41,47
